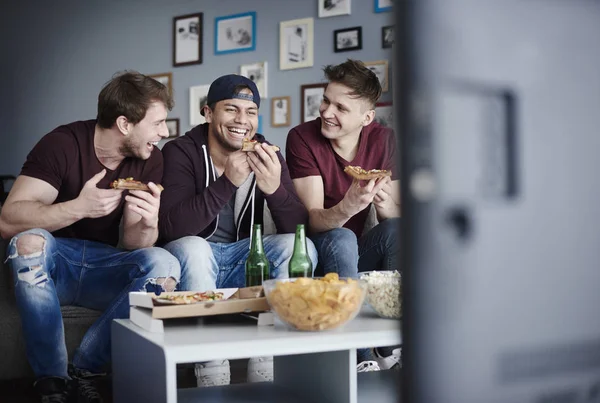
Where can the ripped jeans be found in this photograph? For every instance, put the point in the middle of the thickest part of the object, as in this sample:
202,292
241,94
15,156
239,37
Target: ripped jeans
89,274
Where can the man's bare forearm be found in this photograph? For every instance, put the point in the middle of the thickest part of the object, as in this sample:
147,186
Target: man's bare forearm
21,216
138,236
390,212
321,220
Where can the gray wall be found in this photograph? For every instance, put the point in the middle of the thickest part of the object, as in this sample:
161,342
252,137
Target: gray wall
56,59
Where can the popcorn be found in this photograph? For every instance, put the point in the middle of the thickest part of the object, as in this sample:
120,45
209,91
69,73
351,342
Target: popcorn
383,292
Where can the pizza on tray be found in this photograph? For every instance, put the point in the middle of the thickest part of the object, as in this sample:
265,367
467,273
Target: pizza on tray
131,184
186,299
364,174
248,145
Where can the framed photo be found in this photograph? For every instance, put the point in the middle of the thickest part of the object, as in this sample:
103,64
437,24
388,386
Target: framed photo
280,111
382,6
380,68
187,40
331,8
296,44
165,79
347,39
387,36
173,125
256,72
384,114
235,33
311,96
198,95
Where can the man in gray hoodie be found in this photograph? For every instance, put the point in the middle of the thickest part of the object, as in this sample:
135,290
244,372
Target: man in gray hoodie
214,192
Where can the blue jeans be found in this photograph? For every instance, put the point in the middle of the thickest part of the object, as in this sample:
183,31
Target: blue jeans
208,265
341,252
83,273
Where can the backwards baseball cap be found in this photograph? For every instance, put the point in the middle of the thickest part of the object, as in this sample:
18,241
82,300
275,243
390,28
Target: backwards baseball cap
224,88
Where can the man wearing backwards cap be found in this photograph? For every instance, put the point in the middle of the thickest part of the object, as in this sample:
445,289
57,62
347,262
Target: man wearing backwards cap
213,194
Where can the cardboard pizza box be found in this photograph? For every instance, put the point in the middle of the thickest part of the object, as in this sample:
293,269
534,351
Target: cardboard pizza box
235,300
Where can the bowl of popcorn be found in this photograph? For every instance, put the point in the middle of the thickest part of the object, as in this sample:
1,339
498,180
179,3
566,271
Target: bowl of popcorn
315,304
383,292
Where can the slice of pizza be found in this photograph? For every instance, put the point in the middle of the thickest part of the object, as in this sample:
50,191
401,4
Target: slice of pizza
191,298
131,184
248,145
363,174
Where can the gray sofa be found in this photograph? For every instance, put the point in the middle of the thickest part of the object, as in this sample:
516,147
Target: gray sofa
14,364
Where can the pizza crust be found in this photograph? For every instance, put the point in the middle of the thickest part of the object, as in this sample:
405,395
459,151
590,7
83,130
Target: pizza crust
363,174
248,145
131,184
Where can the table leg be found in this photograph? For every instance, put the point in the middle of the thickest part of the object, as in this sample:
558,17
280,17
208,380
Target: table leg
319,377
141,371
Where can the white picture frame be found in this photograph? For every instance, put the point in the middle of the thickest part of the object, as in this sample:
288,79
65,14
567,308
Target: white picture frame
198,95
257,72
332,8
381,70
296,43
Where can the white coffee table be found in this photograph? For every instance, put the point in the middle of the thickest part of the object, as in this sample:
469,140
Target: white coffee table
308,366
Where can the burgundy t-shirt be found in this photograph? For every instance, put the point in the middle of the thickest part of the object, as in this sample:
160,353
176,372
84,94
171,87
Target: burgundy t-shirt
66,159
308,153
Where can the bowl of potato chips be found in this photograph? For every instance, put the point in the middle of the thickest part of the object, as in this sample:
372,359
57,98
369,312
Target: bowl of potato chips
315,304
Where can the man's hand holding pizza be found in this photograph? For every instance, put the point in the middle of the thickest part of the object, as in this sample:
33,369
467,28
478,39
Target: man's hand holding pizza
94,202
146,204
359,197
386,201
265,164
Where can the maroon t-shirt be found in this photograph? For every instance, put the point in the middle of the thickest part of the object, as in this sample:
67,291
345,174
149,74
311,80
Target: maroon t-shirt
66,159
308,153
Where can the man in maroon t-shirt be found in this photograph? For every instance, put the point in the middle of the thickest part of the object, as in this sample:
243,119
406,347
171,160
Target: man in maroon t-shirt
317,153
77,241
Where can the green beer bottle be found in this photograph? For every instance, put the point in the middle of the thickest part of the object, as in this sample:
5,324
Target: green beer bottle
300,263
257,264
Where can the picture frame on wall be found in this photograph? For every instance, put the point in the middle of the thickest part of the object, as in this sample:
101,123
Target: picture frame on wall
173,126
165,79
381,70
257,72
384,114
381,6
187,39
281,111
387,36
332,8
198,96
235,33
296,47
347,39
311,96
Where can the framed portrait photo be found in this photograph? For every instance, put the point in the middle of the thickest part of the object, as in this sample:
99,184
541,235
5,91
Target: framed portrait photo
311,96
387,36
347,39
165,79
187,40
381,6
296,44
280,111
235,33
198,96
331,8
384,114
256,72
173,126
380,68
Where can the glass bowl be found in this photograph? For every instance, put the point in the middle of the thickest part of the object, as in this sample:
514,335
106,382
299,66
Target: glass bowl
315,304
384,292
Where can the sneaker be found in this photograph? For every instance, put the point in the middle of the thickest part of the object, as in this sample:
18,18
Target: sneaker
213,373
52,390
367,366
391,361
260,369
86,387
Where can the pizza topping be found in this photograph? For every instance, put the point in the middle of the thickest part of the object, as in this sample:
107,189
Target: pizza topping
248,145
190,298
131,184
363,174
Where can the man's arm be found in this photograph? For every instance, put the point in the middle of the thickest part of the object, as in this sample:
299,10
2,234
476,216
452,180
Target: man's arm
140,218
29,205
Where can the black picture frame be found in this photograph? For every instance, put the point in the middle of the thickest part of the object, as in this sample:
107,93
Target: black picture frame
387,36
187,39
347,39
